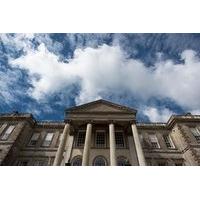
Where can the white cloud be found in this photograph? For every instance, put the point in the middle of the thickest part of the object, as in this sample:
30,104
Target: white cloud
106,69
156,115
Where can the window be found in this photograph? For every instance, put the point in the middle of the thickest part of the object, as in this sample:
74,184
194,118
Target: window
22,163
48,139
100,139
99,161
34,139
7,132
168,141
80,139
76,161
154,141
119,139
122,161
196,133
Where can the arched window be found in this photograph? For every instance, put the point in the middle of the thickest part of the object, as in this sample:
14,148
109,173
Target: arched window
76,161
99,161
122,161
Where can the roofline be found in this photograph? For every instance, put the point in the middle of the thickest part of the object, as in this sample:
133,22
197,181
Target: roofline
67,110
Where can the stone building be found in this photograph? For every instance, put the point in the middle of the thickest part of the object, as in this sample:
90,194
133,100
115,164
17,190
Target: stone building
99,133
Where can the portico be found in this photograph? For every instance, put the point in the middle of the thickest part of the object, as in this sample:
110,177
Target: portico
93,115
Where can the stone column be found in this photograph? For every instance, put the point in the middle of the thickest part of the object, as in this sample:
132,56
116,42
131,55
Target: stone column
86,151
61,147
113,161
139,150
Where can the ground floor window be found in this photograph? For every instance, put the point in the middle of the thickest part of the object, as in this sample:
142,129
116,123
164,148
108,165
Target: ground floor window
76,161
99,161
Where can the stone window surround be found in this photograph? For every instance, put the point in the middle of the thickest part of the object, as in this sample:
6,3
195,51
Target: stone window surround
170,141
195,132
105,139
5,129
154,140
31,139
44,140
102,157
75,159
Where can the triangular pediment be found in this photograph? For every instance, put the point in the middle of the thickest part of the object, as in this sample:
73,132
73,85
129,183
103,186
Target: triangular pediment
102,106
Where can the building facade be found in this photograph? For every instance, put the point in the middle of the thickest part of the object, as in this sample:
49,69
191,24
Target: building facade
99,133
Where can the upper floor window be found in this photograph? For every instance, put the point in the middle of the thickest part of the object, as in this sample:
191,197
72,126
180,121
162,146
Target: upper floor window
100,139
154,141
99,161
76,161
34,139
168,141
119,138
80,139
48,139
7,132
196,133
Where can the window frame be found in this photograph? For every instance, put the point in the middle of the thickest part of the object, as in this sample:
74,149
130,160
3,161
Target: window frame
105,142
151,142
7,134
123,138
29,143
168,137
75,158
196,133
77,138
103,158
50,141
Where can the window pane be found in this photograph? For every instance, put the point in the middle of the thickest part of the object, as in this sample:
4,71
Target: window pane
154,141
7,132
48,139
100,139
34,139
80,139
168,141
196,133
119,139
77,161
99,161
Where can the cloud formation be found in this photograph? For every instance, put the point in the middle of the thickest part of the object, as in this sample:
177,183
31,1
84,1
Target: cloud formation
107,69
78,68
156,115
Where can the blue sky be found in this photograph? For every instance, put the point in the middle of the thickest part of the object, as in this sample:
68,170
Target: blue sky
157,74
